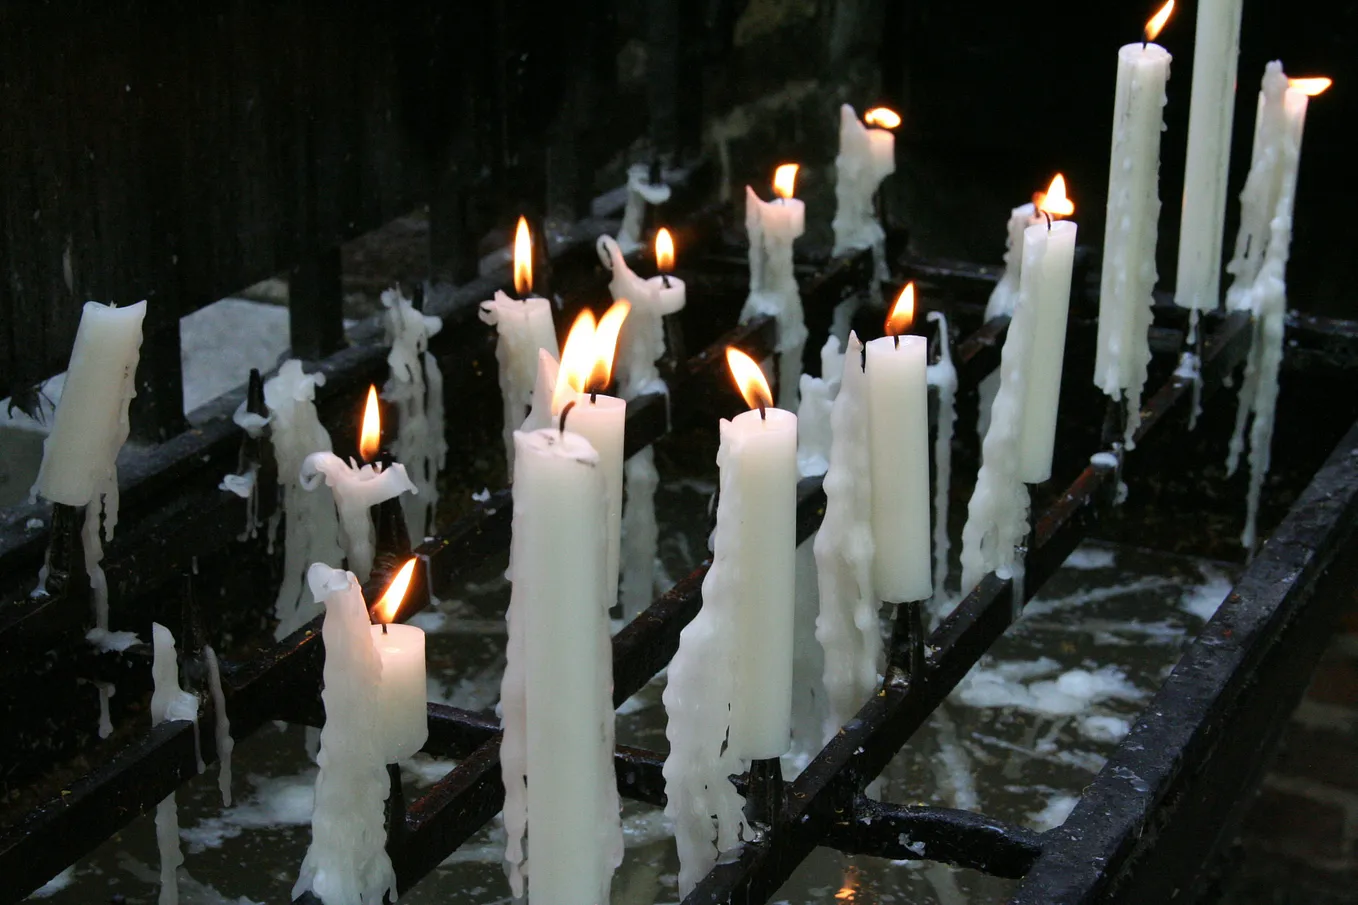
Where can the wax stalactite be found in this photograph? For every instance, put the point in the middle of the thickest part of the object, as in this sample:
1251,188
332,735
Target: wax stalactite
415,386
729,695
772,227
168,702
222,729
403,693
898,445
942,376
1132,223
356,488
523,326
867,155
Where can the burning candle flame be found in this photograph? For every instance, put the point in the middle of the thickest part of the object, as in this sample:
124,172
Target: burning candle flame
1157,21
523,259
902,314
392,598
664,250
1054,200
587,359
370,435
884,117
1312,86
749,379
785,180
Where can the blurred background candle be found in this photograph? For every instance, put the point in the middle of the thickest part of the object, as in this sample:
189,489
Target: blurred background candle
867,155
403,699
772,227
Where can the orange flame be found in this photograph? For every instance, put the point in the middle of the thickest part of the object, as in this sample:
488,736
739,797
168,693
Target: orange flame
395,594
370,435
606,342
587,359
785,180
664,250
1054,200
1157,21
902,314
749,379
523,259
884,117
1312,86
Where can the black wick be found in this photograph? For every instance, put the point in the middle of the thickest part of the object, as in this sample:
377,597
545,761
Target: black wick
1049,220
863,358
897,338
665,280
384,628
763,413
561,425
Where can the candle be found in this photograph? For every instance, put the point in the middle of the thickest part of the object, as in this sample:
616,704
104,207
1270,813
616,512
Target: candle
1005,293
311,531
557,754
1048,257
522,327
357,488
1271,184
1216,45
847,628
347,860
416,387
641,191
898,444
866,157
943,377
814,435
168,702
670,294
772,227
729,694
1133,210
642,340
403,692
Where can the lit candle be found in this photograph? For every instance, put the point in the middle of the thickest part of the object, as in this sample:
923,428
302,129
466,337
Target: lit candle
1048,257
416,387
642,340
1216,45
347,860
523,327
898,443
866,157
357,488
670,294
772,228
556,695
1133,211
403,693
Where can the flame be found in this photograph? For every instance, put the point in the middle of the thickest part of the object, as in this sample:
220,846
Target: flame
882,116
846,894
523,259
1311,87
749,379
395,594
785,180
664,250
1158,20
902,314
587,359
606,342
370,436
1054,200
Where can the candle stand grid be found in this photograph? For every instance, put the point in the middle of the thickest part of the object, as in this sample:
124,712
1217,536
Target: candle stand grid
1143,827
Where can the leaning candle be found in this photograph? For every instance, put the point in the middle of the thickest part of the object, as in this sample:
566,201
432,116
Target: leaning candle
1216,45
347,860
523,327
772,228
898,444
866,157
403,705
557,754
1130,234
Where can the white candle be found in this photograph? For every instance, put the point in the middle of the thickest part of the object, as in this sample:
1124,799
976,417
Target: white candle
670,293
640,192
168,702
772,227
356,489
814,436
1130,234
420,442
1005,293
1048,256
558,679
1216,46
898,444
523,327
866,157
347,860
943,377
642,340
403,705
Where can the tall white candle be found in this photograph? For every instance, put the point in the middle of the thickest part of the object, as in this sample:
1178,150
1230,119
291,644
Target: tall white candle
1130,234
403,705
1048,256
866,157
415,385
1216,46
772,227
168,702
898,444
558,679
347,860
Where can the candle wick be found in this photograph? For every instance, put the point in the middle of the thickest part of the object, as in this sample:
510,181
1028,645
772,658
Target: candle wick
1049,220
561,425
763,412
665,280
384,628
593,395
863,359
897,338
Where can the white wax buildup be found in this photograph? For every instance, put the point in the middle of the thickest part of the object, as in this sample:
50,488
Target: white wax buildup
347,862
942,375
1048,257
523,327
642,341
1005,293
1216,46
416,387
772,227
556,696
1130,234
866,157
848,628
168,702
640,535
356,489
222,730
311,524
814,434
